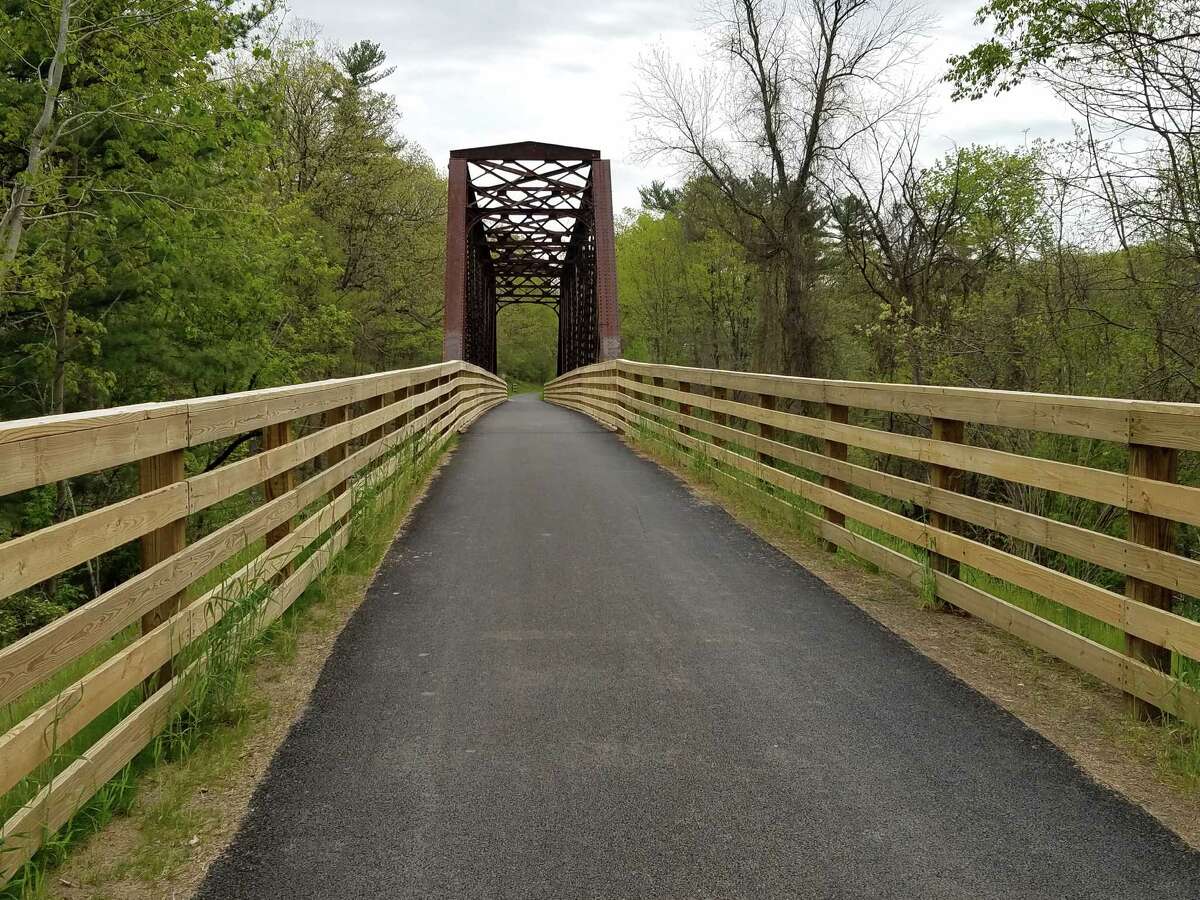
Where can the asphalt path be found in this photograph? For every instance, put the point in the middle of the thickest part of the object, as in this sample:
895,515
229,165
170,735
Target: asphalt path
574,679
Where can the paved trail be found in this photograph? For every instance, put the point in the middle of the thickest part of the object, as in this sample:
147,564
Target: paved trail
572,679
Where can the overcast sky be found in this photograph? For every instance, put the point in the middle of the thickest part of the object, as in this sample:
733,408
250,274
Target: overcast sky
473,72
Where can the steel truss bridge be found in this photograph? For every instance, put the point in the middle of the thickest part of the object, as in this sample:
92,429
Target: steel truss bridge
531,222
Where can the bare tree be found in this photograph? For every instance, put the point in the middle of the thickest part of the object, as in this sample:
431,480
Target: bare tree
796,81
898,239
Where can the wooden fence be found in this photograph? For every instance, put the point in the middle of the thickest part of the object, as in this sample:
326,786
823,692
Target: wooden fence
793,437
322,448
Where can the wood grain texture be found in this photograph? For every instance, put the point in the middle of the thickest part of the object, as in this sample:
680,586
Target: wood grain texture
277,483
837,451
32,558
1160,464
46,449
945,478
162,543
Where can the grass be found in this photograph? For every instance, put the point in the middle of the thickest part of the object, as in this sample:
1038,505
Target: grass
211,726
524,387
1175,744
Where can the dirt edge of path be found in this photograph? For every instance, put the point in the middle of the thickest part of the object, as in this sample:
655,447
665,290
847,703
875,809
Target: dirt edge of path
1081,715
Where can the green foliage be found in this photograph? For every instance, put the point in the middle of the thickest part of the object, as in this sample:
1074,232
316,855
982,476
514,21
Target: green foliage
25,613
998,197
362,62
202,215
527,337
1033,33
687,291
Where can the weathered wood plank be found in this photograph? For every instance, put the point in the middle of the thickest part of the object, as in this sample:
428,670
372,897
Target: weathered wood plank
1160,464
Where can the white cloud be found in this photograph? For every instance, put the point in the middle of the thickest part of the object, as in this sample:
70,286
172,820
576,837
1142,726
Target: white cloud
473,72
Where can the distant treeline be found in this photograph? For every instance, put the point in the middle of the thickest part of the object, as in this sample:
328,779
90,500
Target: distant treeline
196,201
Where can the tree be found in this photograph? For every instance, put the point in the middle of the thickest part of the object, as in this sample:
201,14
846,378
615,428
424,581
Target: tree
651,277
362,62
380,201
528,336
123,139
194,214
1128,70
793,101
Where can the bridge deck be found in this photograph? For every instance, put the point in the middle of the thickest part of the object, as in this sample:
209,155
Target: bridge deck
572,679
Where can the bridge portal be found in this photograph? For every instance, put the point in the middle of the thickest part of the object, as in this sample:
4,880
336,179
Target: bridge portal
531,222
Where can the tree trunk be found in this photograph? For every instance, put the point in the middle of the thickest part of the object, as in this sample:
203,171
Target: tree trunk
799,325
12,226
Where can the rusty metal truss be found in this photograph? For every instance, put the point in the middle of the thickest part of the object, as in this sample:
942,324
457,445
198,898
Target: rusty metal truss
531,223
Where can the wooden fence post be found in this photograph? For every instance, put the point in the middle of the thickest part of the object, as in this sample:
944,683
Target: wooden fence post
720,418
422,433
414,390
274,436
685,409
835,450
404,418
658,401
766,401
337,452
388,399
946,478
635,395
155,472
373,404
456,390
1161,464
445,398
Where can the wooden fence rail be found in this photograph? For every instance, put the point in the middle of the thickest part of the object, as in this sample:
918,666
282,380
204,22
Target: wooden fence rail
787,438
146,631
